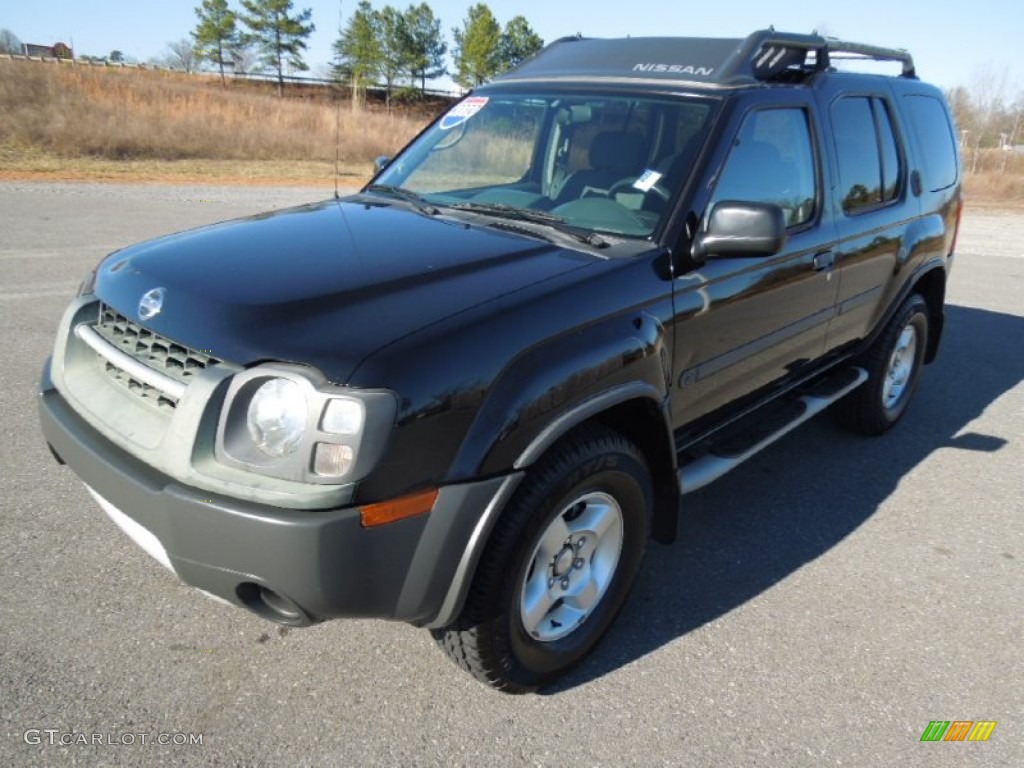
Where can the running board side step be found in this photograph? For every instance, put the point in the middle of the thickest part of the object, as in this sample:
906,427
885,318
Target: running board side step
716,462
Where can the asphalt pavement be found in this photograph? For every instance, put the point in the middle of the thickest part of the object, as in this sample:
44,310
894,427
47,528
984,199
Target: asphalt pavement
824,603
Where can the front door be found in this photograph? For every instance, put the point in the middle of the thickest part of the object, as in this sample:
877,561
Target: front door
744,323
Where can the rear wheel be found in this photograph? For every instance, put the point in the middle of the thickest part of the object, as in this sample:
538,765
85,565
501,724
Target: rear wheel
894,365
558,566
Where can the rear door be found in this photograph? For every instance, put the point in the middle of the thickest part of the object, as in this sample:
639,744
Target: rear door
873,202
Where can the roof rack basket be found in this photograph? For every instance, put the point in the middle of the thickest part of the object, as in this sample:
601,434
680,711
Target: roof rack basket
772,53
873,53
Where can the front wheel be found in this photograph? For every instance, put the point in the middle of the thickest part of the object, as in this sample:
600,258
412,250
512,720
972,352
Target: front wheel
893,364
558,566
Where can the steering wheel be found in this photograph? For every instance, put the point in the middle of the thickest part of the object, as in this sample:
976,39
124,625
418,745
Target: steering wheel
627,184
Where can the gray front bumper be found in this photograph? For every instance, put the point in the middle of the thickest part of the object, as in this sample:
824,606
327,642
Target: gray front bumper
322,564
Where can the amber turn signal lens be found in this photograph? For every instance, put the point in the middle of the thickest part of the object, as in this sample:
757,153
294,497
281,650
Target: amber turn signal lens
398,509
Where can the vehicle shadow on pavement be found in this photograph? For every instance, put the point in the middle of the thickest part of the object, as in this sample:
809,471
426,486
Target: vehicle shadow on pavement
803,496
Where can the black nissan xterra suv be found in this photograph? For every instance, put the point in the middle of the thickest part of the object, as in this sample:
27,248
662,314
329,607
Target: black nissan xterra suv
466,396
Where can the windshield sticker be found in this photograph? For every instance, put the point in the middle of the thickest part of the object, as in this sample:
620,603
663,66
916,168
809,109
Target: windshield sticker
462,111
647,180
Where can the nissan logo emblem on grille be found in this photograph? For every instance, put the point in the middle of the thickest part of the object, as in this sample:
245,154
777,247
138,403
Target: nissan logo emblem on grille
151,303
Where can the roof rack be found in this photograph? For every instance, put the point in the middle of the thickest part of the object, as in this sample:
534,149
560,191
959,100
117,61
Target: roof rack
764,56
770,53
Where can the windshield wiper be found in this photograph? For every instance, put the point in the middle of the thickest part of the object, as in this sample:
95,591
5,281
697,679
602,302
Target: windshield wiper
534,217
407,195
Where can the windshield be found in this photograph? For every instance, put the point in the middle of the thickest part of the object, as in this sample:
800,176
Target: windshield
602,163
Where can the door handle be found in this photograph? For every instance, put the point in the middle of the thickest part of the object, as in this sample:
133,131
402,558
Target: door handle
824,261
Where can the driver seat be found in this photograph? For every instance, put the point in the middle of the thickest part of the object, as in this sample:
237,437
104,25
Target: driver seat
613,155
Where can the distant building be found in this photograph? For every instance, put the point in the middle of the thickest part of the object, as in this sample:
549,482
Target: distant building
55,51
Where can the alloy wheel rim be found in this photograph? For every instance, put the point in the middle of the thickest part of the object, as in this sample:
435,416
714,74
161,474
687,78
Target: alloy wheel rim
571,567
901,368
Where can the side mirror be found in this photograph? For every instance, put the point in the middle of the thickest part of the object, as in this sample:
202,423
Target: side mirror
380,163
741,229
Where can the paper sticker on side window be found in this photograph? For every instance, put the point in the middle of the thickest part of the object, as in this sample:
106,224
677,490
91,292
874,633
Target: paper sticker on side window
462,111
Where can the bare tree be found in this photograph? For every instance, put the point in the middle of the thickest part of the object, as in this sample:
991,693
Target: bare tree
246,60
1013,125
988,91
183,54
9,42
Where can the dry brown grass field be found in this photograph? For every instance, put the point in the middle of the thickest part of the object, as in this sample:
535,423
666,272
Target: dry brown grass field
64,121
999,180
78,122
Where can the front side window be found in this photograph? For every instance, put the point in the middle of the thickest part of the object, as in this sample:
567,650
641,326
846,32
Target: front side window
772,161
600,162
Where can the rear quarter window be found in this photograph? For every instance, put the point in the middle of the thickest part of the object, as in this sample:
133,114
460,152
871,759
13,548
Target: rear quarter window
936,144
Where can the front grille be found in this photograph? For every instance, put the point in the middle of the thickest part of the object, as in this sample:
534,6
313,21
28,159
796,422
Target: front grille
158,397
152,350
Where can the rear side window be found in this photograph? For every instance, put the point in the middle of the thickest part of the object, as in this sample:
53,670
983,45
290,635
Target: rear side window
934,133
891,173
870,172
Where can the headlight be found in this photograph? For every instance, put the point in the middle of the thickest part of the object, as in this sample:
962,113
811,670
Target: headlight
277,417
287,422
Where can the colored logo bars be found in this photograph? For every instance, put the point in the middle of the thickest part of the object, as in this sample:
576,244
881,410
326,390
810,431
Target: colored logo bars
958,730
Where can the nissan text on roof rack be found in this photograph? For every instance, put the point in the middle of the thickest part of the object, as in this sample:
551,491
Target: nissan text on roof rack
467,395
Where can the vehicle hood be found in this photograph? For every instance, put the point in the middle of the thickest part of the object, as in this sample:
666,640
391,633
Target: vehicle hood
324,284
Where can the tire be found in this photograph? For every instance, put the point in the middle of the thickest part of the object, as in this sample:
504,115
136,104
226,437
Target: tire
558,565
893,364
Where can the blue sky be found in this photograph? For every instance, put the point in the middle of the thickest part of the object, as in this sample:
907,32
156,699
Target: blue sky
960,43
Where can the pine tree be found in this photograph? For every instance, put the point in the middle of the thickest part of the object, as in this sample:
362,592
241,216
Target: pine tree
360,56
518,43
476,47
280,36
394,44
426,45
216,34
